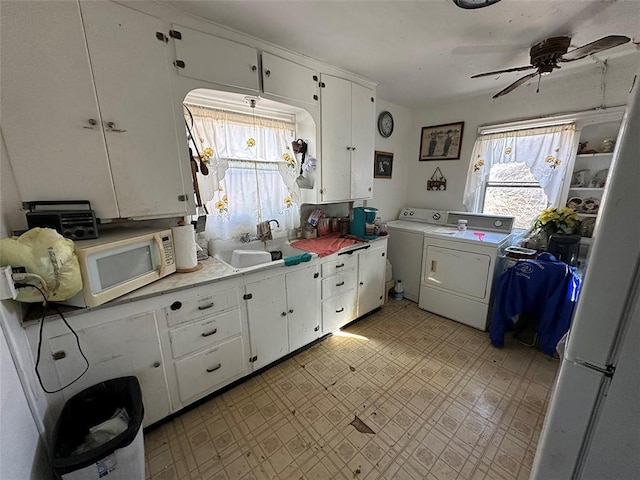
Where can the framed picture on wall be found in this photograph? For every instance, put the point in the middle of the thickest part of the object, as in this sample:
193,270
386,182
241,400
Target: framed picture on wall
382,165
441,142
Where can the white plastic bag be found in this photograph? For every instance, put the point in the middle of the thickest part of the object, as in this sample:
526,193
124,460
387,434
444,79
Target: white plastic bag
46,253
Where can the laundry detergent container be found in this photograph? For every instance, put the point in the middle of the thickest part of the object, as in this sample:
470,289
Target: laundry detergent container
82,454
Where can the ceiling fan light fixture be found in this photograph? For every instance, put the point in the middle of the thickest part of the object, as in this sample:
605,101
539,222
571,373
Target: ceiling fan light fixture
471,4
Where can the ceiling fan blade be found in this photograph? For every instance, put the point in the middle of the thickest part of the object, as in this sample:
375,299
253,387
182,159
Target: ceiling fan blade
594,47
516,69
515,84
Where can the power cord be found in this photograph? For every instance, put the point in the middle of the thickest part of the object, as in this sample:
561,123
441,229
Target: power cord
44,313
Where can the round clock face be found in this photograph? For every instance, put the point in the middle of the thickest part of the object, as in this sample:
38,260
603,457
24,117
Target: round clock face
385,124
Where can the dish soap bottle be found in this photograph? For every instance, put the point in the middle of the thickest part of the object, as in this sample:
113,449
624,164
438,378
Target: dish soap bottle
398,291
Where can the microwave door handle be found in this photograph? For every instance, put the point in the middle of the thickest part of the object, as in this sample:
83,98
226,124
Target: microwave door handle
163,260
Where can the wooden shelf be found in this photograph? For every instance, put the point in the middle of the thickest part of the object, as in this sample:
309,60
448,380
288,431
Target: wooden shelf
587,215
587,189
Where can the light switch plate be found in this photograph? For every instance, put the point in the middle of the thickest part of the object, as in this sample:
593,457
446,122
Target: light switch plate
7,288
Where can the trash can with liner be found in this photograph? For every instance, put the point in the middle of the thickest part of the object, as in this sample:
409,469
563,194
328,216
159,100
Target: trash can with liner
81,448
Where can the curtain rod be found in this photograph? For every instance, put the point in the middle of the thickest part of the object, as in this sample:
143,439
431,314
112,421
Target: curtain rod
581,119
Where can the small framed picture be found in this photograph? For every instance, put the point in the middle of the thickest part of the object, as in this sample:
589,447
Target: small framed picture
441,142
382,164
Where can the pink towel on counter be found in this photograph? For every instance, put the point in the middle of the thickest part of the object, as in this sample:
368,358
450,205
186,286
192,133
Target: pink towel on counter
324,246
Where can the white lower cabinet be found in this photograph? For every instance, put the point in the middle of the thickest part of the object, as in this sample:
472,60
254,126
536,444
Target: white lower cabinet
371,277
185,345
303,302
114,348
338,311
267,311
200,373
206,336
339,290
284,313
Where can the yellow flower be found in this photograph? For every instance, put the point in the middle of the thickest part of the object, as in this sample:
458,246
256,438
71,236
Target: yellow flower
479,164
251,143
220,205
225,199
288,201
508,150
291,162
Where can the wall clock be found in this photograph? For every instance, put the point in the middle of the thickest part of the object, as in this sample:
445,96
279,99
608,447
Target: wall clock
385,124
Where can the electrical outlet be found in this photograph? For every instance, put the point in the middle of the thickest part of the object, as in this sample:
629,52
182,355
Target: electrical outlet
7,288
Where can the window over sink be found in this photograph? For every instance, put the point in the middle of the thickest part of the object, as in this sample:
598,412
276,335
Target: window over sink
247,169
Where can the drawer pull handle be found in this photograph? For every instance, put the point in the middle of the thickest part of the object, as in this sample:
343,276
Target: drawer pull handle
339,284
434,265
209,333
156,364
214,368
340,266
205,307
176,306
340,311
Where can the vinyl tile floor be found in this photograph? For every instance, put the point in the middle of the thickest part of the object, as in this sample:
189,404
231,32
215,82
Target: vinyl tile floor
400,394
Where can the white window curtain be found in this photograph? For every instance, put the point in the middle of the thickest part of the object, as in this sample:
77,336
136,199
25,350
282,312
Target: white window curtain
252,171
546,151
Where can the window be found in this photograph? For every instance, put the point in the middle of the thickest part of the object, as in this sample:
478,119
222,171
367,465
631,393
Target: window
519,172
513,190
252,170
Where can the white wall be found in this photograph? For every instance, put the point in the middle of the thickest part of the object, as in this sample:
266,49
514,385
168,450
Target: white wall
22,454
578,91
390,195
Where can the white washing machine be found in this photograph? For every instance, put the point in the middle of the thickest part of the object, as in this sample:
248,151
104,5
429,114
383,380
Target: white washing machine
459,267
406,237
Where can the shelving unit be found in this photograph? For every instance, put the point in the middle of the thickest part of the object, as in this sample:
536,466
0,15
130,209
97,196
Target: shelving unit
588,168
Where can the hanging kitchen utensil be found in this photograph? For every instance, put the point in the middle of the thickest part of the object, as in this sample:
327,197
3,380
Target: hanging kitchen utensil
437,181
203,166
300,147
194,178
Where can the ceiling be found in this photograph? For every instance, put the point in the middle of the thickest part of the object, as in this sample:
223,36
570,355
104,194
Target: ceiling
424,52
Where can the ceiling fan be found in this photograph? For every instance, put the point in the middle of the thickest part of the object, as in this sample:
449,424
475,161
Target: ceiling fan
547,54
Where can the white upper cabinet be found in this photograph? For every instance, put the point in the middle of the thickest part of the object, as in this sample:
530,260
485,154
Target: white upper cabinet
348,133
363,112
91,123
132,79
214,59
48,102
286,79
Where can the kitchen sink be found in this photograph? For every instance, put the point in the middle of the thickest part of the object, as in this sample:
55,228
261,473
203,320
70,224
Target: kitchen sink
256,255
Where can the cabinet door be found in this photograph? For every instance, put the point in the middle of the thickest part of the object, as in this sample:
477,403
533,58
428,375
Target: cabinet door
128,346
335,121
132,78
48,99
267,309
303,302
363,110
216,59
287,79
371,276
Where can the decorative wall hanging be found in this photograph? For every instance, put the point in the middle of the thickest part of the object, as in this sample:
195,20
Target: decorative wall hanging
437,181
382,165
441,142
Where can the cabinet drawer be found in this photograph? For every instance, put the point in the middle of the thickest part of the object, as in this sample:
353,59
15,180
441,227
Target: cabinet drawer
338,311
201,372
343,262
340,282
204,332
191,308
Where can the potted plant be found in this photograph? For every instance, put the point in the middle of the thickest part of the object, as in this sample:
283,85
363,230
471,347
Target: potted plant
553,220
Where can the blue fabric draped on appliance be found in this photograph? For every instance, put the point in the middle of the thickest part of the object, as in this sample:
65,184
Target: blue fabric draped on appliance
545,287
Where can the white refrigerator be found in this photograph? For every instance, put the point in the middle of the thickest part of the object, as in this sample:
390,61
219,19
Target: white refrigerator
592,426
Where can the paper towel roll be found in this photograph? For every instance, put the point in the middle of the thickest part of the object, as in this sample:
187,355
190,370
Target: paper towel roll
184,244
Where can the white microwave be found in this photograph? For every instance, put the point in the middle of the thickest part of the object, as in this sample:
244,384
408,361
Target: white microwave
121,261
